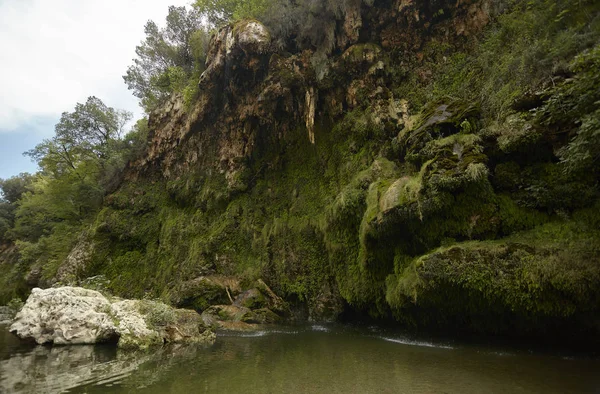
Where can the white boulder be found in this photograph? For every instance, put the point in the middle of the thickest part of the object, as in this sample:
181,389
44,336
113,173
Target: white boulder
66,315
75,316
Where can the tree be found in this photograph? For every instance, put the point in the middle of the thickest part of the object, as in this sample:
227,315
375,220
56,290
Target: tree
168,57
13,188
87,134
220,12
11,191
77,164
136,140
7,218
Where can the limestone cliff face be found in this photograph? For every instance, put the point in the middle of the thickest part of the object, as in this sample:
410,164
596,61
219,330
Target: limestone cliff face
251,92
355,186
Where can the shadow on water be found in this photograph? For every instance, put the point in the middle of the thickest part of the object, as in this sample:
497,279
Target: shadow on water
302,359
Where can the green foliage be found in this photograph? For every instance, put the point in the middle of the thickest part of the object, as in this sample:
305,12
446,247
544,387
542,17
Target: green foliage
136,141
12,276
220,12
515,218
13,188
545,186
53,201
529,45
47,211
11,191
157,314
83,136
533,277
516,134
169,58
6,220
76,166
46,253
575,105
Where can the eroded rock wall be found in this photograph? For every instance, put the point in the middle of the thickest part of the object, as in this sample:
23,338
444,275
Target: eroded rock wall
337,187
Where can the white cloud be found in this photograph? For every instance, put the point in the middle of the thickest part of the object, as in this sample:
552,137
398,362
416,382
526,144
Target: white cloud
56,53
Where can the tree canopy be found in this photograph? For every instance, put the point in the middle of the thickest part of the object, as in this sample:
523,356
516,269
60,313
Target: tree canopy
86,134
11,191
85,154
220,12
168,57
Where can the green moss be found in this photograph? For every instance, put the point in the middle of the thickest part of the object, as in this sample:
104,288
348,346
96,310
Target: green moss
540,276
349,211
515,218
156,314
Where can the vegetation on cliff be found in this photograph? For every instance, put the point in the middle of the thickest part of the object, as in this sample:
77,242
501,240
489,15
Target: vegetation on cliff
433,163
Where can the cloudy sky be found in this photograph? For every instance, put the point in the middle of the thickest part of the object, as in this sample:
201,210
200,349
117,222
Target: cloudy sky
56,53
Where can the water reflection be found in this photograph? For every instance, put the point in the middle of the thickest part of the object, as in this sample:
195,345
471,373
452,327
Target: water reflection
46,369
313,359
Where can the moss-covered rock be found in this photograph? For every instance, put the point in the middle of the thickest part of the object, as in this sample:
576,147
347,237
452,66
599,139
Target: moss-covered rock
535,282
252,299
229,317
266,316
401,196
202,292
437,121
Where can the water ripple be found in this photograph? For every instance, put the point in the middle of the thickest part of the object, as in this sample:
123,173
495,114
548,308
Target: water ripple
411,342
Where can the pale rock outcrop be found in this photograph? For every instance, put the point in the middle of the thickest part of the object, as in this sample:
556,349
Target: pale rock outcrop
76,261
71,315
132,327
251,37
231,43
65,316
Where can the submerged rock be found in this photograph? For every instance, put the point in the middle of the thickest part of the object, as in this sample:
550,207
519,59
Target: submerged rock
72,316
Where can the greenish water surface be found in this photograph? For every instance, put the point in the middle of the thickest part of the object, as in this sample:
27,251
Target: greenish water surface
308,359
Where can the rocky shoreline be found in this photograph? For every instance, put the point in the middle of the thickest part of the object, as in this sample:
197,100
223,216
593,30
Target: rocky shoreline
78,316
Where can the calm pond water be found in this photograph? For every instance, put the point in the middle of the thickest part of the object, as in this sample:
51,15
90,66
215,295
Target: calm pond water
311,359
